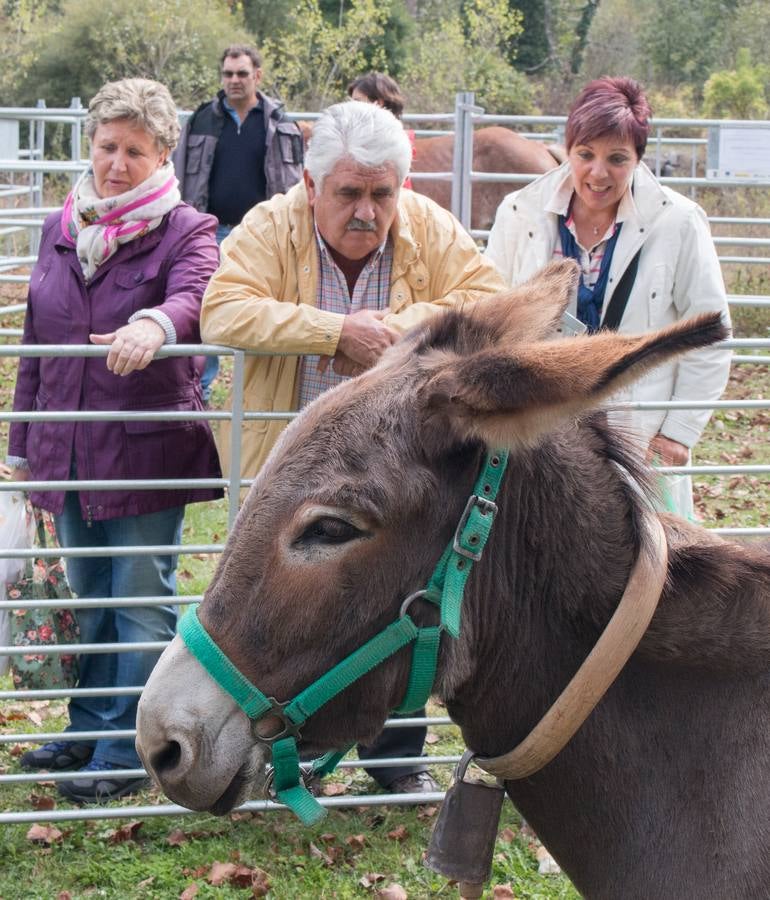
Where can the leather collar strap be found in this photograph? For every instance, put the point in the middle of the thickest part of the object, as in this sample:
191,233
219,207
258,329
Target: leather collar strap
445,589
600,668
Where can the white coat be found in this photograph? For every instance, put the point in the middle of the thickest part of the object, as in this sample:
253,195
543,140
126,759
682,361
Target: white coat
678,277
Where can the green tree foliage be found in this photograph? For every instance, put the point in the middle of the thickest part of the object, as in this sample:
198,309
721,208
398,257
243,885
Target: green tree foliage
177,42
681,38
738,93
467,47
311,64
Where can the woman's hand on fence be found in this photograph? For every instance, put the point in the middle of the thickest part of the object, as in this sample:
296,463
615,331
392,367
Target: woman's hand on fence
667,451
132,346
13,473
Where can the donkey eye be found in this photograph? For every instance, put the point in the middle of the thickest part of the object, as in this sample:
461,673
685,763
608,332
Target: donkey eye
328,530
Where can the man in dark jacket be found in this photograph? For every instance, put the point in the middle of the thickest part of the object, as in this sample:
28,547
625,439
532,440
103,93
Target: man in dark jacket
236,151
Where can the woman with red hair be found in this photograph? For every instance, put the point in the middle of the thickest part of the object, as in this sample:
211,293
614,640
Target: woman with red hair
646,256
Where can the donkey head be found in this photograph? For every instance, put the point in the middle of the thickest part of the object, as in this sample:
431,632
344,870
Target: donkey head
352,511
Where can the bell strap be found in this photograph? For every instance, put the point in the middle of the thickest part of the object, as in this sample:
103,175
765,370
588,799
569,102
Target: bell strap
600,668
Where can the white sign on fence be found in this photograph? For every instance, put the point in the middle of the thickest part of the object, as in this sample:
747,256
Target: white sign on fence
739,152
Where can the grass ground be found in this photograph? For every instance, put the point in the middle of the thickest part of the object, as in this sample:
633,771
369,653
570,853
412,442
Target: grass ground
355,853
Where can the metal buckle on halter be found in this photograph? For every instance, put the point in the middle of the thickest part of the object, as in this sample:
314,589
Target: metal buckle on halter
487,507
268,788
290,729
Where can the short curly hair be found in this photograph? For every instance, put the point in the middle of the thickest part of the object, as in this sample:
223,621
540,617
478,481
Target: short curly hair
145,103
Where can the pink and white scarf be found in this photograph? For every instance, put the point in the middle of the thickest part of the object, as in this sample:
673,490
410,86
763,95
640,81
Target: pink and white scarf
97,226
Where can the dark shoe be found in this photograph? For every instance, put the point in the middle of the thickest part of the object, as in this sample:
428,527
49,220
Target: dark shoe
418,783
58,756
102,788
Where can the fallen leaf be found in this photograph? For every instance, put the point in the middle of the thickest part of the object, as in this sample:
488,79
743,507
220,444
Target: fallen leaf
64,895
328,838
44,834
426,812
176,837
260,884
147,882
124,833
319,854
399,834
189,892
371,879
547,865
507,835
220,873
35,717
356,841
41,801
392,892
432,738
243,876
502,892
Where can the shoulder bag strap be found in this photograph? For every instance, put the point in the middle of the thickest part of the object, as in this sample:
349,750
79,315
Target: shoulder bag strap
619,299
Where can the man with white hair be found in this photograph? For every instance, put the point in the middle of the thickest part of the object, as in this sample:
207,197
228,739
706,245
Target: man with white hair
338,268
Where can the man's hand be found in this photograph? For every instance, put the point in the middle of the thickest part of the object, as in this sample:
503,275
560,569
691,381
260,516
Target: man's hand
342,365
365,337
133,346
668,452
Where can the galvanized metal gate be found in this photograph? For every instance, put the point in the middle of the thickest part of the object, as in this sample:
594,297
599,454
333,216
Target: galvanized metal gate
12,220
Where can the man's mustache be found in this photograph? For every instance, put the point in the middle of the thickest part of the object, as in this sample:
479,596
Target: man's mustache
360,225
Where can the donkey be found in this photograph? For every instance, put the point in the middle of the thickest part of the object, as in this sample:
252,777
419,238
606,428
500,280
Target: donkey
664,792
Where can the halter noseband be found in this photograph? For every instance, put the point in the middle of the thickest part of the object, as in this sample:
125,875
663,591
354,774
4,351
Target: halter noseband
445,590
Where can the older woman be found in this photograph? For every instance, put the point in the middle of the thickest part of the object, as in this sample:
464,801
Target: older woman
646,256
123,265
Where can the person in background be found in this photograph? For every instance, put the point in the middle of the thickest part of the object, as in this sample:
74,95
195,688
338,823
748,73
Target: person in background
646,255
379,88
236,151
123,265
339,268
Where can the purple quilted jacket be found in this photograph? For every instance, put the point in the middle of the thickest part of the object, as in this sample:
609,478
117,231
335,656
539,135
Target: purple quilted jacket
167,269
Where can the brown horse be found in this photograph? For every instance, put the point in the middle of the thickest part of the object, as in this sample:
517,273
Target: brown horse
495,149
665,790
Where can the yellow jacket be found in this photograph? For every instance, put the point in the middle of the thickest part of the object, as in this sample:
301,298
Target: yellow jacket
263,296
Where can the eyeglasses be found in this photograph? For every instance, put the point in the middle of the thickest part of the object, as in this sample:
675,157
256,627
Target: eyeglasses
241,73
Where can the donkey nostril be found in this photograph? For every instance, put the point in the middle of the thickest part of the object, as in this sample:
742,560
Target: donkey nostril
167,759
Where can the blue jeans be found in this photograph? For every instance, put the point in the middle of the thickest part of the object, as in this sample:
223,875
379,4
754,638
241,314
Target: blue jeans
118,576
211,369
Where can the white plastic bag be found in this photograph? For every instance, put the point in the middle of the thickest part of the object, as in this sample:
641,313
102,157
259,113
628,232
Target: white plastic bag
14,535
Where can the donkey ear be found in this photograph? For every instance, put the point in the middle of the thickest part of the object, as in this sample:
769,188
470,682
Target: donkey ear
531,311
515,398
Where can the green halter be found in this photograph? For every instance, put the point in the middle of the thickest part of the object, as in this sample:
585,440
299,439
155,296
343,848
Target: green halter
445,589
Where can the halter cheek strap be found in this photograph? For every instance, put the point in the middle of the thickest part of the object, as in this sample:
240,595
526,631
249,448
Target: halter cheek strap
445,589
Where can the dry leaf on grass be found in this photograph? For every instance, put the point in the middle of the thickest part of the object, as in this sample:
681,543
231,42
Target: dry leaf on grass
220,873
547,865
507,836
189,892
176,837
41,801
371,879
356,842
391,892
325,858
399,834
432,738
426,812
502,892
124,833
44,834
64,895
